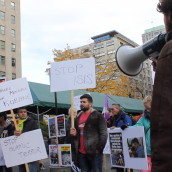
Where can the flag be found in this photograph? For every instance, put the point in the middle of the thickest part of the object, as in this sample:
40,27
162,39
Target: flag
75,168
106,107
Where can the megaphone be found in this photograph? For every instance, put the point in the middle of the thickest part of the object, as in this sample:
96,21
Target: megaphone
130,60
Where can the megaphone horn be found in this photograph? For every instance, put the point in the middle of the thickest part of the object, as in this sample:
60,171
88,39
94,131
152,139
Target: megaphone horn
130,60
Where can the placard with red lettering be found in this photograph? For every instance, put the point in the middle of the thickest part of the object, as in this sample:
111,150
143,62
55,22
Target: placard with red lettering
53,155
51,127
61,125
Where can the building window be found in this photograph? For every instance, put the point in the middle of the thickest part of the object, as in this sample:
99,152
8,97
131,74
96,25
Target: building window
3,30
2,15
149,86
111,51
110,43
2,60
2,2
2,74
140,76
98,46
148,72
13,62
85,50
100,54
13,19
13,33
13,47
12,5
149,79
13,76
121,43
2,44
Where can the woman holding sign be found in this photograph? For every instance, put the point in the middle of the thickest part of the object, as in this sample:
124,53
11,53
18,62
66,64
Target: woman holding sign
145,122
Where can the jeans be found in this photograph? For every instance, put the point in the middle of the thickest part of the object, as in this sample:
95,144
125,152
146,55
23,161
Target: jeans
94,165
5,169
32,167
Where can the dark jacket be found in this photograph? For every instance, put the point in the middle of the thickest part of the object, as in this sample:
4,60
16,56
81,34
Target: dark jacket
7,131
29,125
95,134
120,119
161,119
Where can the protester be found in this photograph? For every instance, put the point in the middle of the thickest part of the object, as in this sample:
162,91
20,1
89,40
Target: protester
25,124
145,122
6,130
119,117
90,134
161,121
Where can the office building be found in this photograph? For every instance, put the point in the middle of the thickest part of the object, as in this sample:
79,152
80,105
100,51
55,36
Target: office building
10,39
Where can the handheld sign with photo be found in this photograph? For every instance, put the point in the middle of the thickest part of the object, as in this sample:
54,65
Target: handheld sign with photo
14,94
23,149
73,74
53,155
128,148
77,102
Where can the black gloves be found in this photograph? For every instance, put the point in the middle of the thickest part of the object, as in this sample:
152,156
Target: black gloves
124,126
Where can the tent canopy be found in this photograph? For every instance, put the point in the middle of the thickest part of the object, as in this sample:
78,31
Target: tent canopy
43,97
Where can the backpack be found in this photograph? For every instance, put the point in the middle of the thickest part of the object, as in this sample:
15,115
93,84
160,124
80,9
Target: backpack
133,120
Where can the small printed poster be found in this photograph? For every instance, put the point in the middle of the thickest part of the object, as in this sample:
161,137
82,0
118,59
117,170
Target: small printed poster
51,127
53,155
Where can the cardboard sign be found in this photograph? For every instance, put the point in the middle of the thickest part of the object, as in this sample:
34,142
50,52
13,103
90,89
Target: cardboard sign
2,161
60,126
73,74
28,147
64,153
53,155
15,93
128,148
77,102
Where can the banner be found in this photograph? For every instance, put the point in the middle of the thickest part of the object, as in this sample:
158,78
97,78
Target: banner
15,93
73,74
128,148
27,147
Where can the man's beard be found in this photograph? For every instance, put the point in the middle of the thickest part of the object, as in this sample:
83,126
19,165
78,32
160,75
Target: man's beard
84,109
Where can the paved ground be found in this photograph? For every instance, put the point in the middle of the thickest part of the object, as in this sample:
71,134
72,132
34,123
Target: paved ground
47,168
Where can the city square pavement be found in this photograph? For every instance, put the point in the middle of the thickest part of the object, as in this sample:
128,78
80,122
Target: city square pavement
47,168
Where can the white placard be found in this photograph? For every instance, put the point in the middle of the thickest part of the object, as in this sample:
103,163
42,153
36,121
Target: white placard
2,161
77,102
65,154
120,147
106,149
14,94
28,147
73,74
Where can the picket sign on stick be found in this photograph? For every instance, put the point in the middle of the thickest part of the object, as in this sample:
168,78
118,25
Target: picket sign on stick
55,118
16,127
72,108
104,162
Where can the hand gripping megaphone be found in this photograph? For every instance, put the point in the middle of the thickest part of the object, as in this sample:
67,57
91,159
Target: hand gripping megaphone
130,60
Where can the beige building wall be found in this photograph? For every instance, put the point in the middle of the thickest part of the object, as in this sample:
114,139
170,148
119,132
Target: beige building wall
106,51
10,8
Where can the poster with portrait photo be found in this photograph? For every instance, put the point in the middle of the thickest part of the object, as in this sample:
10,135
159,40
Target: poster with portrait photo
53,155
61,125
51,127
136,147
65,154
116,147
121,142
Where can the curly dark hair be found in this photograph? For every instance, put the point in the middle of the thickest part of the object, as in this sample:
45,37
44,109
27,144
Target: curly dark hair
165,6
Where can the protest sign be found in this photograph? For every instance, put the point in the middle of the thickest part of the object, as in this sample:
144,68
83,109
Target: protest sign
53,155
65,154
2,79
73,74
2,161
77,102
27,147
106,149
128,148
14,94
61,125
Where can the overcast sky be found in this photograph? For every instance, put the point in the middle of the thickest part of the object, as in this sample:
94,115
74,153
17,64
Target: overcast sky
49,24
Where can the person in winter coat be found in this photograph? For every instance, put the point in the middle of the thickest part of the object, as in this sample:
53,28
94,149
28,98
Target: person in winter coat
25,124
145,122
6,130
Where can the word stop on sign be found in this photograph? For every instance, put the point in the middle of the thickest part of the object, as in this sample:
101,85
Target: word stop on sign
73,74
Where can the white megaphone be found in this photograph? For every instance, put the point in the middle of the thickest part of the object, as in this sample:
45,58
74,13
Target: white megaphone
130,60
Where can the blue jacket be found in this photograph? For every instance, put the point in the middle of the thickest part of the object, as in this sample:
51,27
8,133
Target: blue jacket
145,122
123,119
140,152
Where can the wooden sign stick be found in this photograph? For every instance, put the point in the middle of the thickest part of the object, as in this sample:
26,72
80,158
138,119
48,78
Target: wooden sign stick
104,162
55,118
16,127
128,170
72,109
